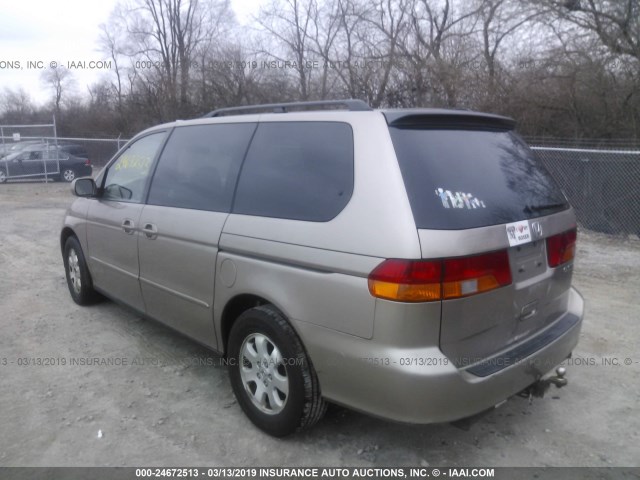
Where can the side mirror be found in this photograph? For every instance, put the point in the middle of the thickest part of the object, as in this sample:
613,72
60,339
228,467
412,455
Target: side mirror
84,187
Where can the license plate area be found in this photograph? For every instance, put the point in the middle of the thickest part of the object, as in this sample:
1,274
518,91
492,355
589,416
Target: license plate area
527,260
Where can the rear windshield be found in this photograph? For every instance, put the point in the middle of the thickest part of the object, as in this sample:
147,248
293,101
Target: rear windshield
460,179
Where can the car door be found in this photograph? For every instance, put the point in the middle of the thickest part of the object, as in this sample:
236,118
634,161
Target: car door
34,164
189,200
15,164
112,221
53,159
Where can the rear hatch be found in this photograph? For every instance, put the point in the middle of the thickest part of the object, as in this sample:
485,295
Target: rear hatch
484,204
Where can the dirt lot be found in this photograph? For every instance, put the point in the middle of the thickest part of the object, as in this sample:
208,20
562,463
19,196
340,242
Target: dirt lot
170,409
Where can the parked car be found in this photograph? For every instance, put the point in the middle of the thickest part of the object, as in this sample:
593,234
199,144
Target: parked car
37,161
412,264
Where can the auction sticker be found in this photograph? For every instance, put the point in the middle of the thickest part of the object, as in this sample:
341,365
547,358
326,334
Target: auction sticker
518,233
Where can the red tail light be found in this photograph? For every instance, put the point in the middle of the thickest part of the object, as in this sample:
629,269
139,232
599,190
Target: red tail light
561,248
407,280
481,273
429,280
87,162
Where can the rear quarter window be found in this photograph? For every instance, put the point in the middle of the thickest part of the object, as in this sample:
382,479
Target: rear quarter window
467,178
297,170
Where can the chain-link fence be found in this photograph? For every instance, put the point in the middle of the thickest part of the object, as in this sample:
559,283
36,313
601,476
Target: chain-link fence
603,185
97,150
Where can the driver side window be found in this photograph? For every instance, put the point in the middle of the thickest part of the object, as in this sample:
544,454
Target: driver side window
126,178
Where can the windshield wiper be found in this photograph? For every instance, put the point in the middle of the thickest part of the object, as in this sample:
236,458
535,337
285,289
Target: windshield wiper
538,208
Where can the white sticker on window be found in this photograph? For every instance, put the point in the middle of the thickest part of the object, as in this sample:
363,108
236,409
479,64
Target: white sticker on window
518,233
458,199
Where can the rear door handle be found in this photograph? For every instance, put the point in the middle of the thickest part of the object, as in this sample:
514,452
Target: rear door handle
529,310
150,231
128,226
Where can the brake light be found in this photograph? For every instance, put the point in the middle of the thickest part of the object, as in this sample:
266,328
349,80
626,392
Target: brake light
430,280
481,273
87,162
407,280
561,248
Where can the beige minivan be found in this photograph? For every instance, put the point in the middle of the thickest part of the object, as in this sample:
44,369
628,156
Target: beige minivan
412,264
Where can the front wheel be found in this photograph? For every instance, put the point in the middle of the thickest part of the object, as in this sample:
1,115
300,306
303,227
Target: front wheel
271,375
78,276
3,176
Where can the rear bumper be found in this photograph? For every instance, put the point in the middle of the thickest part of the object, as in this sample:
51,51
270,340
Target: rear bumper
421,385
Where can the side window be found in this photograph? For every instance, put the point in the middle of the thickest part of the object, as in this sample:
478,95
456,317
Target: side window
126,177
199,166
299,171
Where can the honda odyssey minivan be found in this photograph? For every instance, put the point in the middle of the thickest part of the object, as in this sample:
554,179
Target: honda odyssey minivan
411,264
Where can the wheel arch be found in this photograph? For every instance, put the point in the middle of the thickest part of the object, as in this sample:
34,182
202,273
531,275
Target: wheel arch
64,236
236,306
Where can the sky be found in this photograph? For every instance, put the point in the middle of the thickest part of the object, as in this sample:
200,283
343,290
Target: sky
36,34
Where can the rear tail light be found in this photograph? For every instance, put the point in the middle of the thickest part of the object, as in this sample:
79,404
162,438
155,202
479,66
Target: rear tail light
429,280
561,248
407,280
87,162
481,273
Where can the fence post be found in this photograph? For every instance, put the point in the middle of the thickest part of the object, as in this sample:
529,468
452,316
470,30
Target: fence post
4,151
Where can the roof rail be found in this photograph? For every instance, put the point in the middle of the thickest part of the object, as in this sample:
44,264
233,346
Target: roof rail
350,104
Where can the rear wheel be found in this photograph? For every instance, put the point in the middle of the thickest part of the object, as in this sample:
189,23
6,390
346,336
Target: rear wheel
271,375
78,276
68,175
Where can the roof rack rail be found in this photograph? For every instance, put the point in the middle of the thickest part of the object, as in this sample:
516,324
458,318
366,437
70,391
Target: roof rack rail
352,105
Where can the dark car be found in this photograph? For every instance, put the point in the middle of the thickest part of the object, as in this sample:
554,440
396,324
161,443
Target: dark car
37,161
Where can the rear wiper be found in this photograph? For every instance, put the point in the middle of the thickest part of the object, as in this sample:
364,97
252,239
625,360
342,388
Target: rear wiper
538,208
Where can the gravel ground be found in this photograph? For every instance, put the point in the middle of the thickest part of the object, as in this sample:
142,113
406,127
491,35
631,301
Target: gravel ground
174,406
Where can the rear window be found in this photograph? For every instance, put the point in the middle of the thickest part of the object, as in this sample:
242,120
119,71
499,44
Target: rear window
78,151
458,179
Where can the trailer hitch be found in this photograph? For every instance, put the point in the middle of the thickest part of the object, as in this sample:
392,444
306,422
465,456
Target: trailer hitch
539,388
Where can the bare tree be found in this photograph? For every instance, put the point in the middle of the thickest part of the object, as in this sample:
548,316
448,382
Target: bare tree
16,105
326,26
615,22
60,80
391,20
441,32
501,19
349,47
289,23
166,34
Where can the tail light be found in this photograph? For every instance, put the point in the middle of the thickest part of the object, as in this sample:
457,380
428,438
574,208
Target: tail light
481,273
429,280
87,162
561,248
407,280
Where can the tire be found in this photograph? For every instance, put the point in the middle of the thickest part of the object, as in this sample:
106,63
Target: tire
78,276
3,176
68,175
288,397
